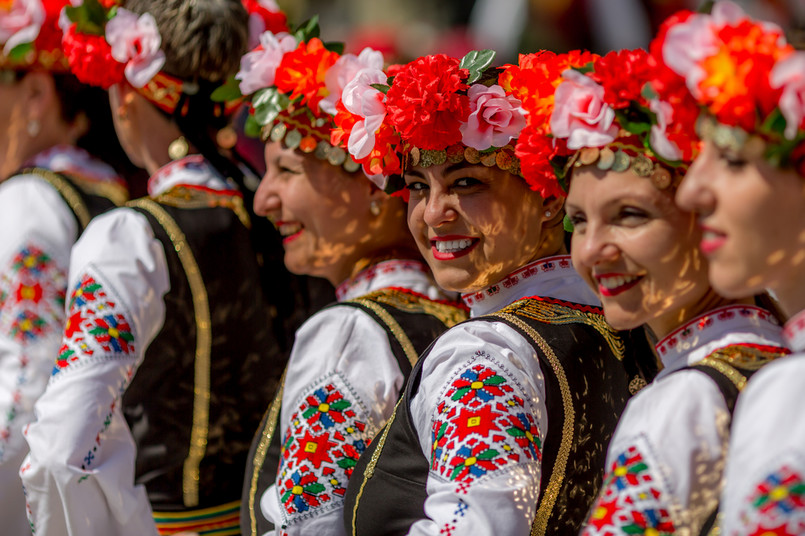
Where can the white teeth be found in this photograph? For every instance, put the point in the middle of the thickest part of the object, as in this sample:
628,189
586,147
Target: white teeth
616,281
451,246
288,229
710,235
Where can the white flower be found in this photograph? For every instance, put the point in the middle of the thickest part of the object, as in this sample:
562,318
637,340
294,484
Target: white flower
20,23
344,71
136,42
259,67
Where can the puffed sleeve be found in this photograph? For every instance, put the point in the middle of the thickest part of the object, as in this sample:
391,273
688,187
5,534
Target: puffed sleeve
342,383
765,474
79,475
481,419
38,230
666,459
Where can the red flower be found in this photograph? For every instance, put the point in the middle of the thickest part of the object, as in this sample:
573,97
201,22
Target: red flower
623,75
535,151
90,59
301,73
425,105
383,160
274,21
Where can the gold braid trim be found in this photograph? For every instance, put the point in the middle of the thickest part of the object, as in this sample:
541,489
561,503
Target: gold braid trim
66,190
745,357
184,197
111,191
262,448
553,313
447,314
201,399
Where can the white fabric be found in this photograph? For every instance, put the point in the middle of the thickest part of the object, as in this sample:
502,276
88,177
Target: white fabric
37,227
79,475
343,354
666,458
498,493
765,474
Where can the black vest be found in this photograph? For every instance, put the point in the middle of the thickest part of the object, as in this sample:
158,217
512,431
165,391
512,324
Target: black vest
418,322
244,367
588,371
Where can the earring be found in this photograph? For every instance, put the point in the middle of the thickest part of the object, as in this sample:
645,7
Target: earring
548,213
33,127
178,148
374,208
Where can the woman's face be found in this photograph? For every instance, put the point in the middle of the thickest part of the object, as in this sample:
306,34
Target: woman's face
753,221
473,225
636,249
322,213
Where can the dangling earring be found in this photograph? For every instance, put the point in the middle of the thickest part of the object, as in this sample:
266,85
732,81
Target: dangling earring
374,208
33,127
178,148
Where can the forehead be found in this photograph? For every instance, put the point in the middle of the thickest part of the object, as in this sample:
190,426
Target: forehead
594,187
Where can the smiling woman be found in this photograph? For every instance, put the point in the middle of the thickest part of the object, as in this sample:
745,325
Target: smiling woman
499,403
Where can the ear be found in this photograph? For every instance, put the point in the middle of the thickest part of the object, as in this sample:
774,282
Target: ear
39,94
121,99
552,208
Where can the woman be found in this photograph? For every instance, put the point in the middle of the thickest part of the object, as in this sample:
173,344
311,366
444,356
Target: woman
349,361
161,293
746,187
503,424
639,252
50,187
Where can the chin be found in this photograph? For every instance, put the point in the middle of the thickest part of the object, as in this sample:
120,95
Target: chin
622,320
729,284
457,281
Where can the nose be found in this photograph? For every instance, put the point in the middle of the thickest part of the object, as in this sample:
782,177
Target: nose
593,247
266,198
694,194
439,208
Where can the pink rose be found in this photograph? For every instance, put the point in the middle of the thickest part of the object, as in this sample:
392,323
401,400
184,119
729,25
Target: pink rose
580,113
361,99
789,74
20,23
495,118
658,138
258,67
686,45
343,72
136,42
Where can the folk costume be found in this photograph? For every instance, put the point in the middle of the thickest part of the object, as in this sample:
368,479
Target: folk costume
504,422
349,361
155,392
765,490
44,207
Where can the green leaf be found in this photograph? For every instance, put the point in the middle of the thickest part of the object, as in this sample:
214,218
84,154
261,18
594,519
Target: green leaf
567,224
335,46
251,128
494,380
19,52
648,92
267,104
90,17
314,489
488,454
382,88
584,69
228,91
476,61
340,405
634,119
307,30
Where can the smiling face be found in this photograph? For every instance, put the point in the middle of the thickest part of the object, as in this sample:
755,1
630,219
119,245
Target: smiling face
475,225
753,217
636,249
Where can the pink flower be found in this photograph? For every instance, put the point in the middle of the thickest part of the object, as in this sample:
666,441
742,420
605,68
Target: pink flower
789,74
580,113
495,118
258,67
136,42
20,23
361,99
343,72
658,138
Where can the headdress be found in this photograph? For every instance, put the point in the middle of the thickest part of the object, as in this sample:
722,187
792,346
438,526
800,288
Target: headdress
292,82
433,110
30,35
747,78
620,111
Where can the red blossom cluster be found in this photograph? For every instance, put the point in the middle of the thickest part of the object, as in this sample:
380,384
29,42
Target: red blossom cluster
90,59
623,74
301,73
274,21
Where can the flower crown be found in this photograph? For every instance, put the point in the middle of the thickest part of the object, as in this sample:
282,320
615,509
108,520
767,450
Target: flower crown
31,36
433,110
746,77
620,111
293,82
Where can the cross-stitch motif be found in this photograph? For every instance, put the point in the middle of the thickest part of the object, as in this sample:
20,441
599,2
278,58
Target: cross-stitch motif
327,434
481,426
630,500
778,505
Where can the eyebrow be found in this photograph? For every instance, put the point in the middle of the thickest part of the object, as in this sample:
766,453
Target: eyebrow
455,167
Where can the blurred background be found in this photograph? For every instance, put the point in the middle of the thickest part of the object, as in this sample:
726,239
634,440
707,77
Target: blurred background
405,29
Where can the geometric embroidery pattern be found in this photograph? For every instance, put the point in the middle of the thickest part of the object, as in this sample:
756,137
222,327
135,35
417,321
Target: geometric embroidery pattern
778,505
630,502
481,426
321,447
96,327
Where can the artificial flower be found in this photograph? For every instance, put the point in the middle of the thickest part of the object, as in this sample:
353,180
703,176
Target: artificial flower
789,75
136,42
425,104
535,152
623,75
264,15
366,103
661,144
344,70
20,22
495,118
301,73
580,113
258,67
90,59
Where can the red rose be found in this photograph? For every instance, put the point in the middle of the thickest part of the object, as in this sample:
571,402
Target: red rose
424,104
623,75
90,59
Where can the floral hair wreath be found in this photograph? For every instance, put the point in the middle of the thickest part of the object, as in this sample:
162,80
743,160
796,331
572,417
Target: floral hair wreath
745,76
433,110
30,35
